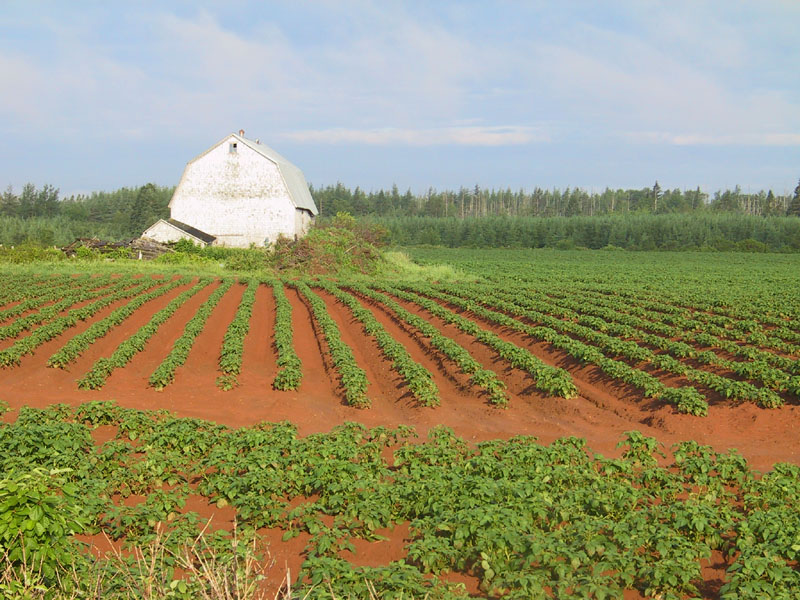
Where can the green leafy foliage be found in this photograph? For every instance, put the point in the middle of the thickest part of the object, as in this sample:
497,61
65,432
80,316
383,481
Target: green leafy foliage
551,380
165,372
290,371
230,358
40,511
481,377
78,344
519,516
96,377
26,345
417,377
352,377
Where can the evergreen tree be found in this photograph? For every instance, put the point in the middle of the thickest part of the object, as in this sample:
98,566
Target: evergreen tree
656,196
794,205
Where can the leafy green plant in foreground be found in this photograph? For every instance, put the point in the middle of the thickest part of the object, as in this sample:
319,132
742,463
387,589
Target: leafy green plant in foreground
525,520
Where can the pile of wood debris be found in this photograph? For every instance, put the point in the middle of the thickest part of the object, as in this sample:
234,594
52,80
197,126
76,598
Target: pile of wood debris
139,248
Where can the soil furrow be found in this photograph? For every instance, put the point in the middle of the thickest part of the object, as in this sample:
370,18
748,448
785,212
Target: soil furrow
259,359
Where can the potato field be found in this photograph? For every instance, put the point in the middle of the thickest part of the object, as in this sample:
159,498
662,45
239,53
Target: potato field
532,424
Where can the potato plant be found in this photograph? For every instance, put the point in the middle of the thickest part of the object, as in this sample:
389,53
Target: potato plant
290,371
230,357
165,372
352,377
96,377
70,351
418,379
525,520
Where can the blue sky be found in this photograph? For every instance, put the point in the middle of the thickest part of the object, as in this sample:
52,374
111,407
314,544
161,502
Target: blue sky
99,95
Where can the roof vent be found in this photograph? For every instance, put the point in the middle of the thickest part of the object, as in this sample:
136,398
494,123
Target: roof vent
241,132
258,141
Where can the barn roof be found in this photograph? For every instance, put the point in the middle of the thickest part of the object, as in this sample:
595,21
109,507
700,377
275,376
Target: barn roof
193,231
295,181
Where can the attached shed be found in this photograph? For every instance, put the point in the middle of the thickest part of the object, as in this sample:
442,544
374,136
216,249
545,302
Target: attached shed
170,230
241,192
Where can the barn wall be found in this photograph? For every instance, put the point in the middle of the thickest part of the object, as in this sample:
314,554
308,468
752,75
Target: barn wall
240,198
302,221
165,233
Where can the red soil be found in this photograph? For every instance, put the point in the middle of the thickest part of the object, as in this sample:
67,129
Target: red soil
601,413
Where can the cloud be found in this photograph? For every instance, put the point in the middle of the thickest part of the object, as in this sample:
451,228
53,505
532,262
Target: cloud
699,139
460,136
610,81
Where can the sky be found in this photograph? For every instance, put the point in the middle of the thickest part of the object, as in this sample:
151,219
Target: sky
98,95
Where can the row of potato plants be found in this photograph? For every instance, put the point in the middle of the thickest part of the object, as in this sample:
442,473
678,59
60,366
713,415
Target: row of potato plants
97,375
96,288
230,357
631,350
31,300
675,340
756,370
165,372
353,378
418,379
525,520
686,399
290,369
17,288
76,346
742,321
742,331
479,376
54,328
551,380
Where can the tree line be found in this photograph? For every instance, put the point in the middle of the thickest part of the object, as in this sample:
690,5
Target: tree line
570,202
724,231
41,215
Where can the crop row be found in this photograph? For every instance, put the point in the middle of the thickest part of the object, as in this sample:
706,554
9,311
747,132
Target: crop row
290,371
747,331
549,379
96,288
675,340
78,344
96,377
353,378
736,319
165,372
729,388
230,357
522,519
479,376
758,370
417,377
687,399
54,328
21,287
53,291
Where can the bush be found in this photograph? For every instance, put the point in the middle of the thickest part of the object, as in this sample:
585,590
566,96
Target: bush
342,245
39,513
29,252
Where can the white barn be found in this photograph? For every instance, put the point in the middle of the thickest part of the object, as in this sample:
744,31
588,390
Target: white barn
238,193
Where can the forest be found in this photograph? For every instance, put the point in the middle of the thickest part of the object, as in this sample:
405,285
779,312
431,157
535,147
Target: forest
638,219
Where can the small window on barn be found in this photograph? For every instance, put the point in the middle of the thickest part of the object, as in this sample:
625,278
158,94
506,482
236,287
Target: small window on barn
232,148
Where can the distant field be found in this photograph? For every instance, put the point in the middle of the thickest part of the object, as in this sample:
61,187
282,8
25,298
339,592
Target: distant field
546,343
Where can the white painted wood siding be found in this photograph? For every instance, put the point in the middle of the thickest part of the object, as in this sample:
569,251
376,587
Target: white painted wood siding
238,197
